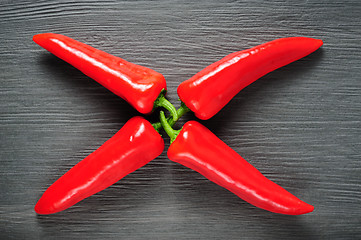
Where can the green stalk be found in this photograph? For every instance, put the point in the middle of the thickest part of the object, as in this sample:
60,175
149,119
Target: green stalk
161,101
168,129
183,109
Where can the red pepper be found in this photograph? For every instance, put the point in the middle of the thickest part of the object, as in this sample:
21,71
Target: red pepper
133,146
207,92
198,148
138,85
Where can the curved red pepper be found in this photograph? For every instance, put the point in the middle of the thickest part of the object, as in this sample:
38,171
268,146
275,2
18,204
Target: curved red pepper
207,92
133,146
138,85
198,148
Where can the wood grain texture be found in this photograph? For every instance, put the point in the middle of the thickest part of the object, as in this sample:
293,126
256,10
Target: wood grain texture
300,125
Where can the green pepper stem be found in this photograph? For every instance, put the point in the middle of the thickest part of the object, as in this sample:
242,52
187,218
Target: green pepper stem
161,101
183,109
167,127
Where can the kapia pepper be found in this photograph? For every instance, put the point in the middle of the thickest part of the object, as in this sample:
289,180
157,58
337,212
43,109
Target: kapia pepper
133,146
198,148
207,92
138,85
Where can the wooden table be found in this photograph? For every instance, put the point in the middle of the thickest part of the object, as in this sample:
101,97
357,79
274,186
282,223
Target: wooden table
299,125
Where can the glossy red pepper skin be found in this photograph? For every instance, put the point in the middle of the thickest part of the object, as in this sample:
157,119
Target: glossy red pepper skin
207,92
198,148
138,85
133,146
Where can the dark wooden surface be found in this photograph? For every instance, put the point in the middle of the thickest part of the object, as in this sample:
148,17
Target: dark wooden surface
299,125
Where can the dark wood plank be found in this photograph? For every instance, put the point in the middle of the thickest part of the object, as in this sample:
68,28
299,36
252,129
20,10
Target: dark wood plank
299,125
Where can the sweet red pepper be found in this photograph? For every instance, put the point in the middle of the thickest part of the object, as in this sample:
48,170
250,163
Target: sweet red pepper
138,85
133,146
196,147
207,92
